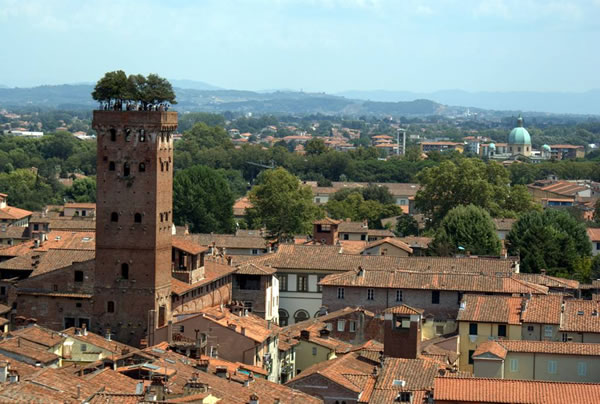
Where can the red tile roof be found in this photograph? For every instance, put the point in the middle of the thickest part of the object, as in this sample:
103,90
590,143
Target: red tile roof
403,309
188,246
429,280
477,390
539,309
594,234
212,271
12,213
490,309
390,240
113,346
581,316
545,347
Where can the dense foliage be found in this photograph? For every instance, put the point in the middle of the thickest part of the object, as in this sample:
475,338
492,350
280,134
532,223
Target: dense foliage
466,229
553,240
202,198
116,89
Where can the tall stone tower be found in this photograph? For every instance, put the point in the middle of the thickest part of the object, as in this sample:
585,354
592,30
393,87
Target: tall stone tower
133,222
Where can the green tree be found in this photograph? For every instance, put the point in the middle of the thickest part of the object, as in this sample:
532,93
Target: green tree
156,90
469,229
315,146
112,87
202,198
597,212
406,225
464,182
282,204
551,240
82,190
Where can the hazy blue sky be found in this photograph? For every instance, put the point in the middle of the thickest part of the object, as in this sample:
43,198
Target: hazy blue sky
318,45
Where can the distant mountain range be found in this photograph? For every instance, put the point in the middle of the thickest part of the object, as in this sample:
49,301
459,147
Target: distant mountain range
200,96
552,102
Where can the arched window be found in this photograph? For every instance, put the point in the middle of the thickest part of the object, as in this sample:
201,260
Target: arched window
284,318
137,218
124,270
114,217
301,315
142,135
110,307
126,170
142,167
111,166
113,134
127,135
162,166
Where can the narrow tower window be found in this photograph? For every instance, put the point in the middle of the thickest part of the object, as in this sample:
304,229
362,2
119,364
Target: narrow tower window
126,170
137,218
142,167
113,135
111,166
125,270
110,307
114,217
127,135
142,135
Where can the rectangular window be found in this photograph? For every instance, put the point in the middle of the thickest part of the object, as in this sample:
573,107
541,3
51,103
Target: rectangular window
370,295
302,284
319,279
552,367
435,297
548,331
2,290
255,252
352,326
314,351
502,330
473,329
581,368
514,365
340,294
346,236
471,352
83,347
439,330
363,237
341,325
282,282
398,295
565,337
530,328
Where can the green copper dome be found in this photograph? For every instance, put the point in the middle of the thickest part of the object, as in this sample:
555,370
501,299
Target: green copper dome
492,146
519,135
546,148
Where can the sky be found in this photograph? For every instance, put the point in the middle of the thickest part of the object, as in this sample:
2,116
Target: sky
310,45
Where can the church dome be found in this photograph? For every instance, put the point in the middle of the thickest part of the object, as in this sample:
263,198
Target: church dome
519,135
492,146
546,148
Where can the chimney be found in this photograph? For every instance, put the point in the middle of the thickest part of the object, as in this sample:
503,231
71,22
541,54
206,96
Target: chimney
230,260
202,365
84,326
78,392
253,399
361,271
139,388
543,271
243,330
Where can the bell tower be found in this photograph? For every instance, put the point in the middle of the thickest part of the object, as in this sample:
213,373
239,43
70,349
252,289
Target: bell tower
134,200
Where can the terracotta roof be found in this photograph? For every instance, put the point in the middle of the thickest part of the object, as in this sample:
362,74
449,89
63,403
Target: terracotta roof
390,240
329,258
395,188
349,371
12,213
432,281
327,220
496,391
594,234
490,309
418,242
228,241
186,245
565,188
72,224
22,368
212,271
78,205
27,349
116,398
403,309
491,347
581,316
549,281
113,346
353,227
41,262
254,327
380,233
541,309
40,335
14,232
418,374
254,269
565,146
546,347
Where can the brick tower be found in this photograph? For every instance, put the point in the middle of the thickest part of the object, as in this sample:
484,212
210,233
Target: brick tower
133,222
